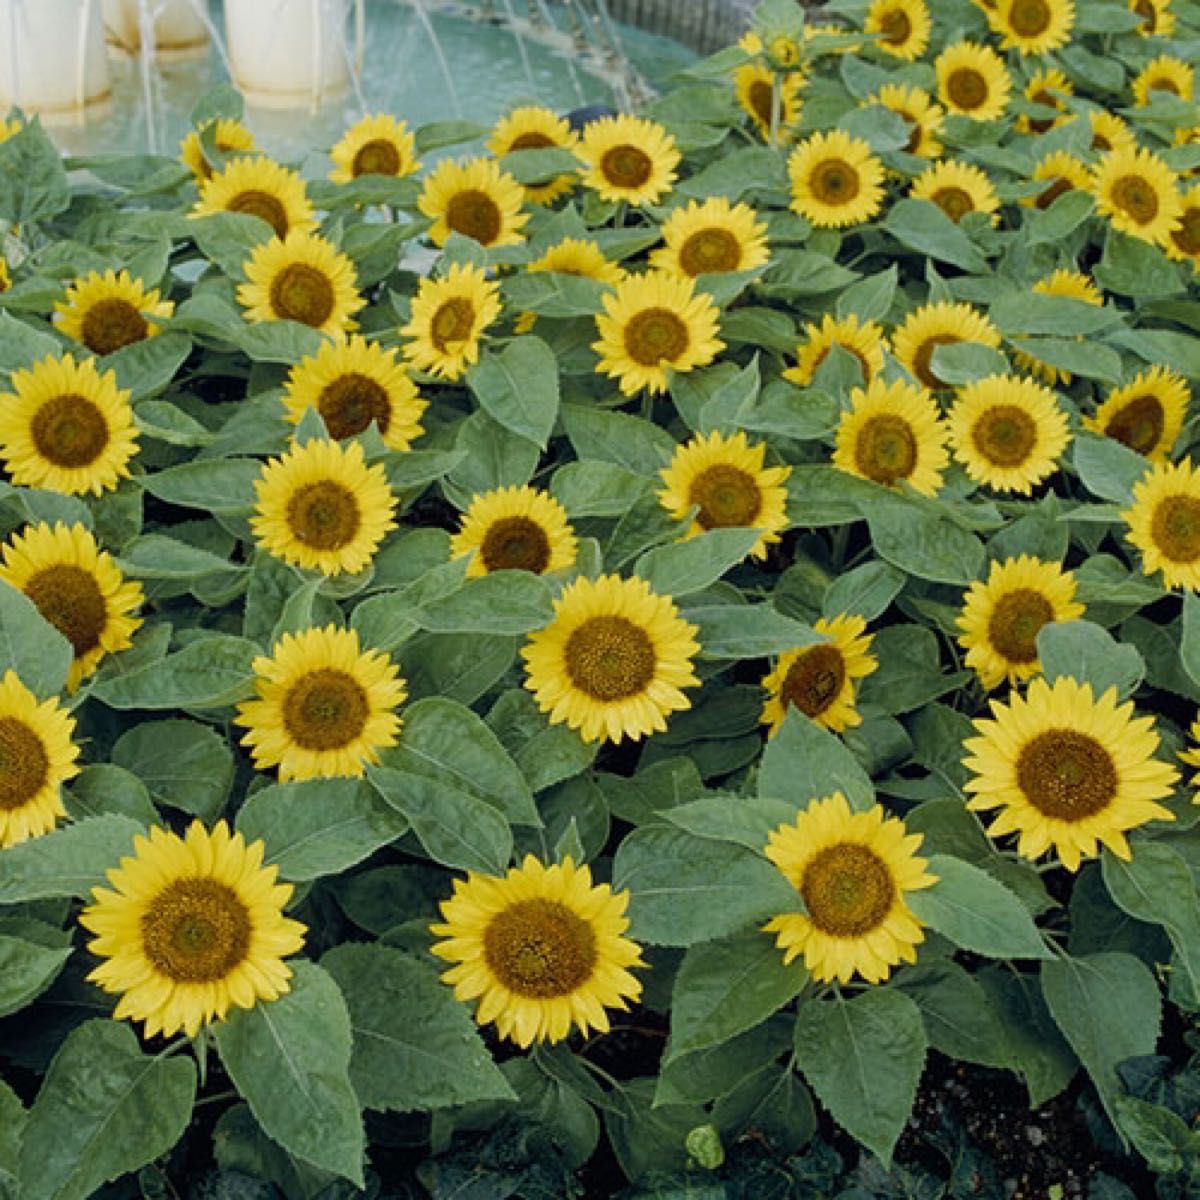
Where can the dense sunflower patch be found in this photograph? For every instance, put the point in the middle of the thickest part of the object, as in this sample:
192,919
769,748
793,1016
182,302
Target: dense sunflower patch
632,658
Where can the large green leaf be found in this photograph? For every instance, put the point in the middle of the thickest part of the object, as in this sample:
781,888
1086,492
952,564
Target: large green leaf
212,672
690,566
67,862
183,763
26,970
518,387
12,1130
31,646
804,762
1089,654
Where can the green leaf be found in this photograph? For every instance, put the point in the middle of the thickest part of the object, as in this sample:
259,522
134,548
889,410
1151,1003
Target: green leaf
493,457
960,1020
869,299
865,591
804,762
31,646
12,1130
1160,1136
744,820
595,489
965,362
554,294
183,763
66,862
681,568
289,1060
1089,654
910,672
103,788
105,1109
147,367
630,442
518,387
922,226
438,134
155,556
26,971
499,602
1133,267
229,239
1051,316
212,672
1189,646
1107,468
1088,359
33,182
922,541
221,485
1064,216
747,630
22,345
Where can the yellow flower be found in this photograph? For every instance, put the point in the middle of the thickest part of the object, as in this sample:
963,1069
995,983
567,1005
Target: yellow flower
320,506
190,928
354,384
1074,286
934,325
542,949
9,129
1110,133
515,529
923,117
376,145
1000,619
836,180
903,27
1164,523
1191,755
5,277
613,661
572,256
536,128
1033,26
852,870
67,428
76,586
1061,172
229,137
710,237
475,199
1165,74
447,320
106,312
654,323
325,707
1067,771
866,342
628,158
957,189
262,188
754,86
1139,193
1157,18
1147,414
1046,88
1184,243
973,81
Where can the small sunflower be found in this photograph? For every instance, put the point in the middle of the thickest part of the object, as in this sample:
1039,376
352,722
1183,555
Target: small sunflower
1074,286
376,145
957,189
67,428
711,237
106,312
1000,619
572,256
1165,74
542,949
1184,243
1147,414
1139,194
866,342
628,158
852,870
1164,523
653,323
820,680
515,529
893,432
934,325
1033,26
536,128
923,117
754,86
1157,18
301,278
230,137
613,660
1191,755
448,318
262,188
1067,771
320,506
1061,173
903,27
190,928
354,384
76,586
1110,133
325,707
973,81
1046,88
475,199
836,180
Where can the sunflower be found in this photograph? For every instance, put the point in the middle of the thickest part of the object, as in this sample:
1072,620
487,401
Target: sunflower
1164,522
934,325
754,86
612,661
903,27
628,158
37,756
1046,88
866,342
325,707
1191,755
572,256
1000,619
106,312
1165,74
957,189
354,384
262,188
653,323
1033,26
1157,18
542,949
1067,770
320,506
711,237
475,199
852,870
973,81
820,680
535,128
67,428
836,180
301,278
77,588
1147,415
916,107
515,529
1139,193
230,137
448,318
9,129
1060,172
1184,243
1074,286
376,145
1109,132
5,277
190,928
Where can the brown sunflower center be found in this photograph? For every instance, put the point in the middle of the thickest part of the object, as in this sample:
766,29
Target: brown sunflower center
303,293
727,496
69,431
515,544
24,766
834,182
761,97
609,658
708,251
476,215
325,709
1175,528
1041,124
955,202
453,322
886,449
1005,435
922,366
1060,185
351,402
1138,423
895,27
1066,775
967,88
1029,18
1135,197
814,681
628,166
264,206
1015,621
532,141
377,157
848,890
1162,83
110,324
71,600
1187,236
540,949
196,931
324,515
1148,13
655,335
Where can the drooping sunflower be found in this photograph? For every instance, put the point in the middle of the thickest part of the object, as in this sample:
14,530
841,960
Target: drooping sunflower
325,707
67,428
1047,87
852,870
866,342
923,117
653,323
448,318
1164,523
1184,243
973,81
190,928
230,137
903,27
836,180
515,529
1139,194
628,158
613,661
1033,26
536,128
301,278
1074,286
476,199
957,189
1001,618
376,145
1157,18
934,325
542,949
1060,172
572,256
1109,132
710,237
262,188
77,587
1165,74
820,680
1147,414
754,86
1067,771
106,312
320,506
354,384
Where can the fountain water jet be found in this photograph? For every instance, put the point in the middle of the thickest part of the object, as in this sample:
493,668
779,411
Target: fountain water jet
180,32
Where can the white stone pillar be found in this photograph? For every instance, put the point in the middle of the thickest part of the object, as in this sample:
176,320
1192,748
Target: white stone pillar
179,32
